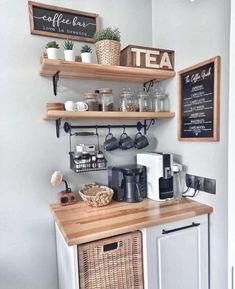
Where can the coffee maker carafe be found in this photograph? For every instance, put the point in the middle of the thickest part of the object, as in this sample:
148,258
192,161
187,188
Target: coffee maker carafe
128,182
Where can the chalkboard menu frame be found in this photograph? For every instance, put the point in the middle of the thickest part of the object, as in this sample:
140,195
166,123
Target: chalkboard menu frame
72,26
199,101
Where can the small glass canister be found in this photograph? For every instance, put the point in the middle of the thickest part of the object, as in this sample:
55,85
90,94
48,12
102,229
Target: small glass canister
158,98
145,101
128,103
106,99
91,100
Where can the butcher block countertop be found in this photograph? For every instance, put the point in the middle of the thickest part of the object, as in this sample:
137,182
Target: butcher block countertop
81,224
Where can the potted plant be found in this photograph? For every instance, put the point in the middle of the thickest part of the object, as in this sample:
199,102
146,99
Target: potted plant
52,50
108,46
86,54
69,54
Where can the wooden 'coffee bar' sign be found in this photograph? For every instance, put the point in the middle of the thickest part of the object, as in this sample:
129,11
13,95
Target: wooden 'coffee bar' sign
199,101
53,21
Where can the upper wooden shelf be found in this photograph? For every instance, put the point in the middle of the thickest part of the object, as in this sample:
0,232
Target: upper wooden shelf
56,114
81,70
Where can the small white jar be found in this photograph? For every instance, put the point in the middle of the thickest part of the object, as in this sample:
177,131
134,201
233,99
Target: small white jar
86,57
69,55
53,53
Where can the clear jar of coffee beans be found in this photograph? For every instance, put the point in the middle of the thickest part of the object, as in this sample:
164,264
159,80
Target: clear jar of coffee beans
91,100
106,99
128,102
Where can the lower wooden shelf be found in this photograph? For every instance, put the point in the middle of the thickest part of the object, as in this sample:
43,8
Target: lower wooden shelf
56,114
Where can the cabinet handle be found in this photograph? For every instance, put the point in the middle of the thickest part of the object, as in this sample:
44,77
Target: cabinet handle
180,228
110,247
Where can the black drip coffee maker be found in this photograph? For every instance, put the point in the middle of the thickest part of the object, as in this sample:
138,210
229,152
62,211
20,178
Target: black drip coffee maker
128,182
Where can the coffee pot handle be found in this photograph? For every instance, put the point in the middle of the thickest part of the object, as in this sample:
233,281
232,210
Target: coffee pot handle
138,197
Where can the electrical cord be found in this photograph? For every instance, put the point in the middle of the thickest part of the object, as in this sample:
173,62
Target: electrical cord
196,191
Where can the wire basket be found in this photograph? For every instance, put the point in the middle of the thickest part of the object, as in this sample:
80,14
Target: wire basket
108,52
112,263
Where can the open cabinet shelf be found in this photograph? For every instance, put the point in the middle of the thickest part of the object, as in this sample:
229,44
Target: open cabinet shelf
70,69
60,114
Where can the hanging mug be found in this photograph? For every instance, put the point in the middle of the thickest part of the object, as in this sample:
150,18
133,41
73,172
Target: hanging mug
141,141
126,142
111,143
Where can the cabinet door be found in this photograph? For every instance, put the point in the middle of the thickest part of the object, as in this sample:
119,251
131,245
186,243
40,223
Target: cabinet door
176,255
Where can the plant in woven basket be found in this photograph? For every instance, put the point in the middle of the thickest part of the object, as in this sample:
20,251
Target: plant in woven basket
86,53
69,54
52,48
107,43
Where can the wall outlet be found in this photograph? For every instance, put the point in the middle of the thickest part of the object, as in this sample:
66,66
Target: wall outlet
201,184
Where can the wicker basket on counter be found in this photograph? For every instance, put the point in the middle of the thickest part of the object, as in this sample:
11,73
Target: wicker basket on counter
96,195
108,52
112,263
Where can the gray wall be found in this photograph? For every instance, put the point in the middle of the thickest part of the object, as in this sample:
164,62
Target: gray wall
198,31
29,149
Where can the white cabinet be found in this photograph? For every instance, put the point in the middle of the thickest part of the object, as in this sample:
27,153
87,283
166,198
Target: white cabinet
176,255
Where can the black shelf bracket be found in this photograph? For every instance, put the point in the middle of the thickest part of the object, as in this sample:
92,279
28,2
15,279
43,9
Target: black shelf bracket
55,79
147,85
57,126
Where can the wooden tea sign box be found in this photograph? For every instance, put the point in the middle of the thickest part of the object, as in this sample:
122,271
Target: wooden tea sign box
147,57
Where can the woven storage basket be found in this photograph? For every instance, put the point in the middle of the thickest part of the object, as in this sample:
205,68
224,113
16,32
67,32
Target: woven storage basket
112,263
108,52
96,195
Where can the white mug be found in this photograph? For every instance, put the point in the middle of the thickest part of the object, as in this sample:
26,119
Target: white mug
81,106
70,105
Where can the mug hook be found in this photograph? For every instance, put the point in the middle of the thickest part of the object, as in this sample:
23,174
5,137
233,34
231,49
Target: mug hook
124,128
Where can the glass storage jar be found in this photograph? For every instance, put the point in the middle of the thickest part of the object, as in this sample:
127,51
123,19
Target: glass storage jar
128,103
145,101
158,98
106,99
91,100
166,103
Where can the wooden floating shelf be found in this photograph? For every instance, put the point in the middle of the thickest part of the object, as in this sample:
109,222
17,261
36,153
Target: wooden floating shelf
56,114
81,70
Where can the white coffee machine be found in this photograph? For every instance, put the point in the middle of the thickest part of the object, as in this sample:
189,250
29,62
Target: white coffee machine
159,174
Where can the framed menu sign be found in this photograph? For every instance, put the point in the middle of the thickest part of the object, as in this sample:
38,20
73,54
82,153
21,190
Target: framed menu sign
199,101
53,21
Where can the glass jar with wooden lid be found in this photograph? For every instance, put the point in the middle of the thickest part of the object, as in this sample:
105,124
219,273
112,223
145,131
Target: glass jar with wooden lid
106,99
90,98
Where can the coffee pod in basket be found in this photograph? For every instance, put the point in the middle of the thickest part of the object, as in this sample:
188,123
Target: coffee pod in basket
96,195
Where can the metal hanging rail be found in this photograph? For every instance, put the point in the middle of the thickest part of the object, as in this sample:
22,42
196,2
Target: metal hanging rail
139,126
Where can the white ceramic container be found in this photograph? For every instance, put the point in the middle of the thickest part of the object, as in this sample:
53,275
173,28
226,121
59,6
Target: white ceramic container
53,53
86,57
69,55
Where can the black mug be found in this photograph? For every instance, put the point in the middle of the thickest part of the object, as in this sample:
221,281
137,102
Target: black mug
111,143
141,141
126,142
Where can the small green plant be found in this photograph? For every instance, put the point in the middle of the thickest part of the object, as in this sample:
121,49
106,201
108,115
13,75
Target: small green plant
68,44
86,48
108,34
52,44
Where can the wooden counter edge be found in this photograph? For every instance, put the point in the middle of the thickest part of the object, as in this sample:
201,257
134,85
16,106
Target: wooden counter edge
125,229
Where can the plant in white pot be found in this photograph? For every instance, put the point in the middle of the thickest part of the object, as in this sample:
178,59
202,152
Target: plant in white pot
108,46
69,54
52,50
86,54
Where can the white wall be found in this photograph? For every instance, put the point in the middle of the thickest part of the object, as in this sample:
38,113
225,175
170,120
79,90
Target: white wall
231,195
198,31
29,150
